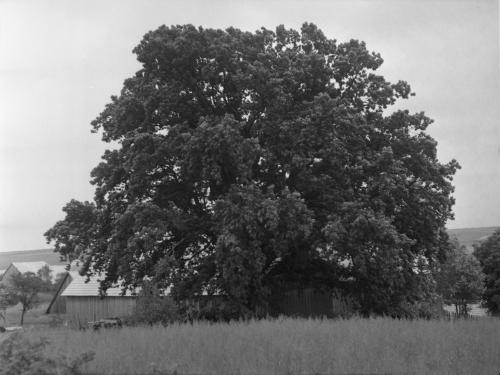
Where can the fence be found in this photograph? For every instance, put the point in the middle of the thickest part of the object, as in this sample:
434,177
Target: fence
451,315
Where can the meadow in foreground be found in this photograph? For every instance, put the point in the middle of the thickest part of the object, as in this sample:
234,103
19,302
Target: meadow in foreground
290,346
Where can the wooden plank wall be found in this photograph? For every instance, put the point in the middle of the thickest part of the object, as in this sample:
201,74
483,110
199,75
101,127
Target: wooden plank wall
81,310
304,303
298,303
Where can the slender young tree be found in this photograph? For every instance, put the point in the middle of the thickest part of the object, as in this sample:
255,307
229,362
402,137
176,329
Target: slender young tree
24,288
248,163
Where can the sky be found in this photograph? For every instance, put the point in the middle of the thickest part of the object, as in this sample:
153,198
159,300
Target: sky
60,61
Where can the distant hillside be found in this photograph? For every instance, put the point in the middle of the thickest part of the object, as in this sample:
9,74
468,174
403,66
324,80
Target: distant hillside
46,255
470,236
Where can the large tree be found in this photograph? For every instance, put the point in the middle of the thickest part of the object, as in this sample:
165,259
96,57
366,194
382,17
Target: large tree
246,163
488,253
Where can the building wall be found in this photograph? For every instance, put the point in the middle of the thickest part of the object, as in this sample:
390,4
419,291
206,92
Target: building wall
11,271
83,309
303,303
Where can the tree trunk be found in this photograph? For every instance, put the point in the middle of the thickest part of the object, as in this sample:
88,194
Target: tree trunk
22,316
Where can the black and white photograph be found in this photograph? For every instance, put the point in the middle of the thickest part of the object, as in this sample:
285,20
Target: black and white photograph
249,187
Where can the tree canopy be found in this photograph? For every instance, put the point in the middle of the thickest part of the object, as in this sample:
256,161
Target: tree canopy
247,163
460,279
488,253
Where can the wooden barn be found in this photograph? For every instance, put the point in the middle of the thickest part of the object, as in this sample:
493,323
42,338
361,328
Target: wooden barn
305,303
83,303
80,302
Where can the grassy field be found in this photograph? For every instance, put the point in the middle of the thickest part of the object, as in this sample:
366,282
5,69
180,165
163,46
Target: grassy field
368,346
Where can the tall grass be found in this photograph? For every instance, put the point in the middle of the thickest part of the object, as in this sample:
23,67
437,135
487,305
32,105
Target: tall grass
291,346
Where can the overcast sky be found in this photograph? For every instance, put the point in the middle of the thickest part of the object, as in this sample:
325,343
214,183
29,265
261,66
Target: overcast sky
60,61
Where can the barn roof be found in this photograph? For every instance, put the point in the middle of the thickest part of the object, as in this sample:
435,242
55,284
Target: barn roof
80,287
29,266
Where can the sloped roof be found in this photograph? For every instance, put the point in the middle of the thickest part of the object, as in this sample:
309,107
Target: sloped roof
79,287
24,267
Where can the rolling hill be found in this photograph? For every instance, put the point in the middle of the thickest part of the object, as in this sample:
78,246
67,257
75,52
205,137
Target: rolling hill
47,255
471,236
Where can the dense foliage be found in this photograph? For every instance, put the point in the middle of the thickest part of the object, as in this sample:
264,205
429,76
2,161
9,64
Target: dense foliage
488,253
244,164
460,279
22,356
153,307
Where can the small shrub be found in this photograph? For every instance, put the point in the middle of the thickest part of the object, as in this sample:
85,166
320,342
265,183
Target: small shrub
344,307
212,309
56,321
20,356
432,308
153,307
